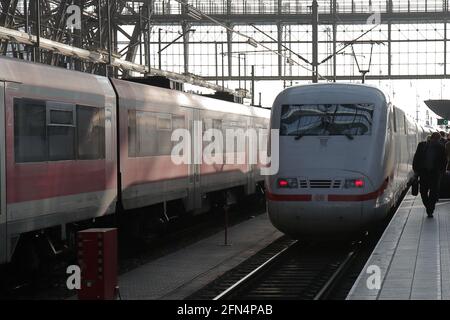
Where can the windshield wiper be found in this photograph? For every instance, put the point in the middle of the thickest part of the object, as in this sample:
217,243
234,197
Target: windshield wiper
299,136
349,136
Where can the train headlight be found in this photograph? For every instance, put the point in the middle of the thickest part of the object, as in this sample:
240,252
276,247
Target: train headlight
354,183
287,183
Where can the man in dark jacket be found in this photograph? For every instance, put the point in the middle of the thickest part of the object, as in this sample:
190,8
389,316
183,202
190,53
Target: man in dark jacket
429,164
443,138
447,151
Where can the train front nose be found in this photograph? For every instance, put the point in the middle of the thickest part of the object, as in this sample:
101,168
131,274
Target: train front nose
325,203
316,219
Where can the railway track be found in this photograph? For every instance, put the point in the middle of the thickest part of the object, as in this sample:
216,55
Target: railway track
50,283
287,270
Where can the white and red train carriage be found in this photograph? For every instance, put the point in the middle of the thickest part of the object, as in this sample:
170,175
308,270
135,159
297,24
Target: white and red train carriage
73,145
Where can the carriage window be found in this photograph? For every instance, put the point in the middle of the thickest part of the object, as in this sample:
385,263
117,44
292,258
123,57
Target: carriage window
132,149
52,131
61,131
395,120
30,131
405,123
326,119
149,133
61,143
90,133
146,144
164,133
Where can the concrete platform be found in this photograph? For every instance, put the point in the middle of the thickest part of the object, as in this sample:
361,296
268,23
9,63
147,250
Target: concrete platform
182,273
413,256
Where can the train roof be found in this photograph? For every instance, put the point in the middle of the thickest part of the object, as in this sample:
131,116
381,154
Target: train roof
332,92
161,96
45,76
89,85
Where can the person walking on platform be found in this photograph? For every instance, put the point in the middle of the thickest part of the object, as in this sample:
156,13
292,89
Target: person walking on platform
443,138
429,164
447,152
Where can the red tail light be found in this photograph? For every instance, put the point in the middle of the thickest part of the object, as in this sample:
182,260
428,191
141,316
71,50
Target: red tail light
287,183
354,183
359,183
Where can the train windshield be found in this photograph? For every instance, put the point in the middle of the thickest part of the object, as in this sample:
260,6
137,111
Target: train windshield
326,119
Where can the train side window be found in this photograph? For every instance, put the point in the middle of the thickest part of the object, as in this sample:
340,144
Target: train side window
405,124
132,139
61,126
395,120
90,133
164,133
146,145
30,143
178,122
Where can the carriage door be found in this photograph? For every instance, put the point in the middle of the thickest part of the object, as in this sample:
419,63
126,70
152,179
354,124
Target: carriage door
3,243
195,128
250,148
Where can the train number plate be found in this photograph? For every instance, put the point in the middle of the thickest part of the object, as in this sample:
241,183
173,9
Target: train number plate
320,197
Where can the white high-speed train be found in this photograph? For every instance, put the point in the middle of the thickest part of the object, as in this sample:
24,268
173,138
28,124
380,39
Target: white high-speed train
345,159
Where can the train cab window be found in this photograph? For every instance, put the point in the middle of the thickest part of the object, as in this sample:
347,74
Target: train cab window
326,119
30,143
90,133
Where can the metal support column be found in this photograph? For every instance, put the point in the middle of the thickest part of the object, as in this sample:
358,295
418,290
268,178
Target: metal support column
253,85
334,39
140,34
389,49
217,62
389,10
185,29
148,31
159,49
280,48
315,28
239,70
37,51
100,29
223,65
230,51
445,48
108,18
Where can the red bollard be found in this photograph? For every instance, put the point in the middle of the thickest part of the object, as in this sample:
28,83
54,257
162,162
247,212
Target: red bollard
97,258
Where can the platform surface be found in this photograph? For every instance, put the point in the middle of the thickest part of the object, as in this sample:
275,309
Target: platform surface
182,273
413,256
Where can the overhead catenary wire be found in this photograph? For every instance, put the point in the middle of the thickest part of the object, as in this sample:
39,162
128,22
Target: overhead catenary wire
249,38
